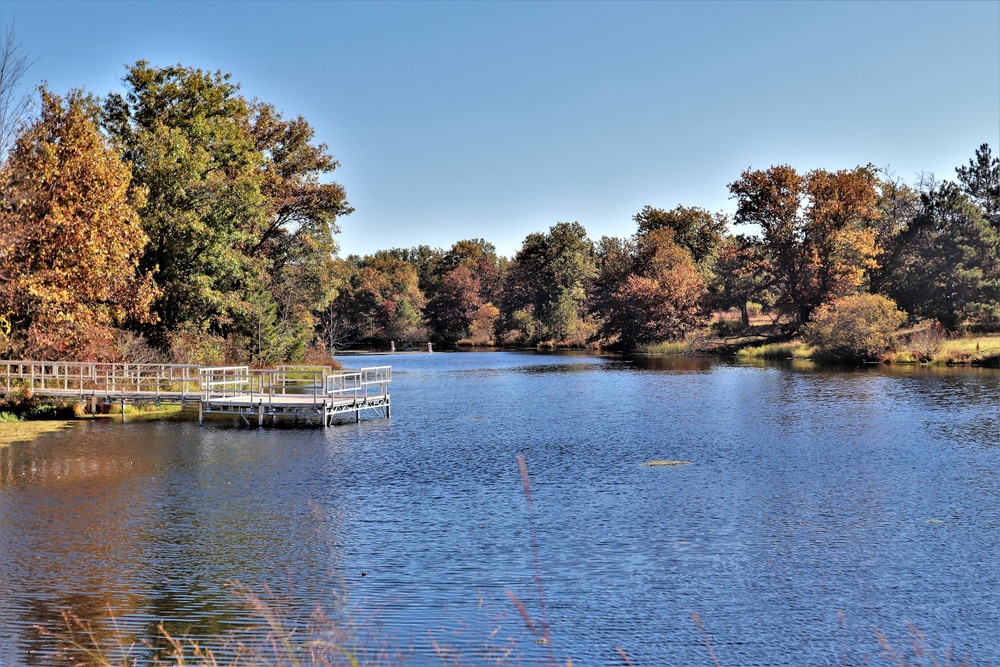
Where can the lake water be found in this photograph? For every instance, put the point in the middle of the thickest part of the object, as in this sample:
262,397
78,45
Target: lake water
818,506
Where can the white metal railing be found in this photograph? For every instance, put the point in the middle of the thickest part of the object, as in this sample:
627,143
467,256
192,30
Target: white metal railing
69,378
359,385
88,378
226,381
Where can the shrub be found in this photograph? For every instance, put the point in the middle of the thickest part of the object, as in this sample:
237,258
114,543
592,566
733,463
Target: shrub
855,328
926,343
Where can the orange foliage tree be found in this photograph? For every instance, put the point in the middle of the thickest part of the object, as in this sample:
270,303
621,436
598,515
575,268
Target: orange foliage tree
818,229
661,298
70,239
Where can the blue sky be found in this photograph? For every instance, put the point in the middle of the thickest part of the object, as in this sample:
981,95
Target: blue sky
455,120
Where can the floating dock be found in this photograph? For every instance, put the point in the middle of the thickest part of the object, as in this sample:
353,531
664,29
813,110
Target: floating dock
314,394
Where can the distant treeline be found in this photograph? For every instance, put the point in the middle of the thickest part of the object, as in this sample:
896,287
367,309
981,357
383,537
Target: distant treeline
182,221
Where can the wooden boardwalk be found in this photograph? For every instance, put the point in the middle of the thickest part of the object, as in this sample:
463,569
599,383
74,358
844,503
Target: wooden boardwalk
314,394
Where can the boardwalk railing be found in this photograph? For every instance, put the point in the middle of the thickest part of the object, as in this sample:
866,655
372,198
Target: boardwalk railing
80,378
360,385
225,381
283,391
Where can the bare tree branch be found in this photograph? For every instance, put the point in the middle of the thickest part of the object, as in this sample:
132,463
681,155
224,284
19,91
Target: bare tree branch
14,104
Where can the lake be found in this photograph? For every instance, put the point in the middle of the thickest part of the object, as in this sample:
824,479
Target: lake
818,505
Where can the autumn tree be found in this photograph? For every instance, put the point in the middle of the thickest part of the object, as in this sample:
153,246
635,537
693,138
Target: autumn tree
482,331
662,297
695,229
817,229
378,299
861,327
454,308
70,238
742,273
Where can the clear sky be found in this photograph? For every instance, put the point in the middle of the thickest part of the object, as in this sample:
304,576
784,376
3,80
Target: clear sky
455,120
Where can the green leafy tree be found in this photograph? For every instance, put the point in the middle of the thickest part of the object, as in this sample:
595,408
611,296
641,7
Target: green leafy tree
898,204
548,273
947,266
238,209
70,239
695,229
980,180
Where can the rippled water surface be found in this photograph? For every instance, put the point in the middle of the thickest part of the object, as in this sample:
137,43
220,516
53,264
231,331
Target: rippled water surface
818,505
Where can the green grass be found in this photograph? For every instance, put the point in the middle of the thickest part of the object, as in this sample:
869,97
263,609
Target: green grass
664,349
792,350
973,350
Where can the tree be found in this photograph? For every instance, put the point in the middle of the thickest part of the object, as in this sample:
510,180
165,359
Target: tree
378,299
855,328
948,265
456,305
70,238
482,331
741,273
981,182
695,229
186,133
898,204
240,216
14,105
548,273
817,229
661,298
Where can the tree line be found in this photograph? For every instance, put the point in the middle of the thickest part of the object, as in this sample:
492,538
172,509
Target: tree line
179,220
931,247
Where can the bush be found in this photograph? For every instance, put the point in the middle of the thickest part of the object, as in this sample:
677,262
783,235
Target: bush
855,328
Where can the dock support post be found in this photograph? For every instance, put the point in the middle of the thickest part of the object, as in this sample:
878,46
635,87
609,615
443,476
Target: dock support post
200,406
357,415
260,414
388,408
93,405
123,410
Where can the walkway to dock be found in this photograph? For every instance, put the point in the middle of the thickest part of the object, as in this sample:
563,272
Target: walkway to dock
316,394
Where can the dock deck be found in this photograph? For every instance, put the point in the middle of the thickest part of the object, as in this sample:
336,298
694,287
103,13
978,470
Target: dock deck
314,394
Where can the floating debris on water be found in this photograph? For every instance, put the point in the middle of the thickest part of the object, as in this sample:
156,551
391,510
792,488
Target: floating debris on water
666,463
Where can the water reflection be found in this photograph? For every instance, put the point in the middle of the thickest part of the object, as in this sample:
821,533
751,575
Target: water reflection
810,491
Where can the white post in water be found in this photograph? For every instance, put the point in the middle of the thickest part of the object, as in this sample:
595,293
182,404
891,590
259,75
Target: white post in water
392,346
429,348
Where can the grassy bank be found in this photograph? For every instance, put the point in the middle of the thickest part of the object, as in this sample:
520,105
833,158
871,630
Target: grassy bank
18,430
794,349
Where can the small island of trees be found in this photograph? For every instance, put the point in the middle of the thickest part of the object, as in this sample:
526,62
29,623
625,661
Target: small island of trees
180,221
